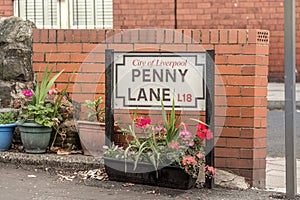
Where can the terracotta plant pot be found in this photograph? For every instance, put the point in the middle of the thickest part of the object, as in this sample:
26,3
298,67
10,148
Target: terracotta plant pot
92,137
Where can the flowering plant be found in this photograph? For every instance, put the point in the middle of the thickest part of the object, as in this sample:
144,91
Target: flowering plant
167,143
41,105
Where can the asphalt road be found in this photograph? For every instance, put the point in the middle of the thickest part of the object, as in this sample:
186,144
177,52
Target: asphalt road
275,134
28,183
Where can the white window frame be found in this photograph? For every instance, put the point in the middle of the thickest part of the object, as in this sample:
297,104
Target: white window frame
65,16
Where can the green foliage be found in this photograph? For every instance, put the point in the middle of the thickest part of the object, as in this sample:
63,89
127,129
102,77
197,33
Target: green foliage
95,112
171,123
41,114
7,117
61,95
42,88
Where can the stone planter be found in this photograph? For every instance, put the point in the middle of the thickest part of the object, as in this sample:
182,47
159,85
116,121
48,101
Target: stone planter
168,176
71,136
6,135
35,137
92,137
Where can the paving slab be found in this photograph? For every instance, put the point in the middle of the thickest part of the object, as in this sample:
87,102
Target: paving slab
276,96
275,175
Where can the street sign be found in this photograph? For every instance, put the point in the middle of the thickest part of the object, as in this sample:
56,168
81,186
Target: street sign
143,80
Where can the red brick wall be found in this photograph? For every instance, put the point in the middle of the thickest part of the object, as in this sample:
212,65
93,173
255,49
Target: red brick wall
241,58
143,13
212,14
6,8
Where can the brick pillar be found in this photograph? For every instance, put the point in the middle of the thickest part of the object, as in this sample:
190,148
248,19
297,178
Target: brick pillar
242,65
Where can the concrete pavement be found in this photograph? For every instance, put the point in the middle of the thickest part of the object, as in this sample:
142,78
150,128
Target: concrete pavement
275,180
276,96
275,170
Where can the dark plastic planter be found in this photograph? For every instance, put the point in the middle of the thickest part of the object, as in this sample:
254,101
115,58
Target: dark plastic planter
168,176
6,134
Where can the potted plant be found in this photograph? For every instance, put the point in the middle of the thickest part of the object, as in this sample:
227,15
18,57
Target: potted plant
92,129
39,114
7,127
169,155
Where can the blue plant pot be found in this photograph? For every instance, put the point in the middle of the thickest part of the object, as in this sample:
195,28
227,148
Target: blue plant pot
6,135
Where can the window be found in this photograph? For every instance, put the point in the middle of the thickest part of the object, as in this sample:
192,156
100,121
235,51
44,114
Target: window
76,14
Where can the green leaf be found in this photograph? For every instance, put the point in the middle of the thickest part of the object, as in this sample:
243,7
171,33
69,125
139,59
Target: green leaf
199,121
125,156
141,150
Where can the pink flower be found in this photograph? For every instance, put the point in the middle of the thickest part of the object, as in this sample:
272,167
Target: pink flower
185,134
142,122
64,100
56,120
174,145
160,123
52,91
191,143
200,155
159,129
27,93
203,132
189,160
209,170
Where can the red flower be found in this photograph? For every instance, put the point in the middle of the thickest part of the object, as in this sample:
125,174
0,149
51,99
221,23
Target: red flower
203,132
142,122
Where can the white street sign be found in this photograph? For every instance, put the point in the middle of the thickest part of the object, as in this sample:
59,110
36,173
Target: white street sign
143,80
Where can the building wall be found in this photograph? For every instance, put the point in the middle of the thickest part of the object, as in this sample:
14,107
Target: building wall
241,59
6,8
213,14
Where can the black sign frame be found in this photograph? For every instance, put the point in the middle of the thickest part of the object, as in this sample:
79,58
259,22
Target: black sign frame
210,105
